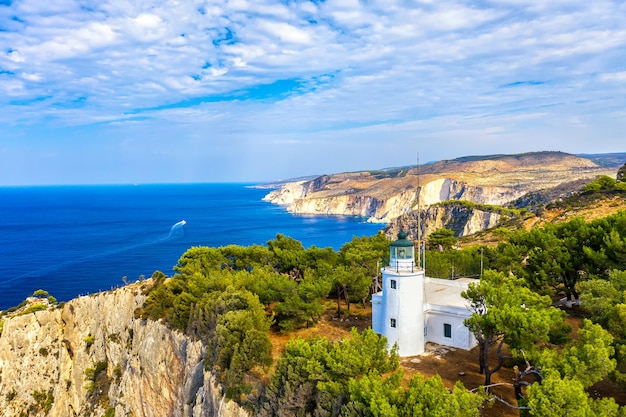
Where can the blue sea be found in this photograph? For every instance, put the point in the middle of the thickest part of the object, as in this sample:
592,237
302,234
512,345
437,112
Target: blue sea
75,240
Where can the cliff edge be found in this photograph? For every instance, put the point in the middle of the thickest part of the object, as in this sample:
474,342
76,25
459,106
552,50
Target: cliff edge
386,195
92,357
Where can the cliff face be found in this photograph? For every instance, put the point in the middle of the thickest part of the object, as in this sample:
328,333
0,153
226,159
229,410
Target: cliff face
92,355
444,189
461,219
383,196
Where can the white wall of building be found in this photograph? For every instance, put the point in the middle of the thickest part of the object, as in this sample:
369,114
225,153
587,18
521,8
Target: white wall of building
377,312
460,336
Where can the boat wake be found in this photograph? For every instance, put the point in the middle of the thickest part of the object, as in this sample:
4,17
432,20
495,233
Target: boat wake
177,230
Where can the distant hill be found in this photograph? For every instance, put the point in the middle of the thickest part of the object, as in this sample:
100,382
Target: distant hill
524,180
607,159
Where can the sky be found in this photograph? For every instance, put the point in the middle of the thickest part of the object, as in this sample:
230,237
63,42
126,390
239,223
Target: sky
155,91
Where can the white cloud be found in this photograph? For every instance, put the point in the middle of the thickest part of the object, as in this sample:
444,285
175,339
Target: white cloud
31,76
614,76
378,67
146,27
285,32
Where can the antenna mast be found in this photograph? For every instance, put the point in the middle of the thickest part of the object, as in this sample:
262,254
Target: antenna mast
417,196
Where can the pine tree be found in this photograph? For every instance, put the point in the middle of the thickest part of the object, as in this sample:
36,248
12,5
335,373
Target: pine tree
621,174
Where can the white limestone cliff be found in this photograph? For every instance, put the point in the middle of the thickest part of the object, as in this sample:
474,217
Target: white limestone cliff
463,220
384,209
150,370
383,196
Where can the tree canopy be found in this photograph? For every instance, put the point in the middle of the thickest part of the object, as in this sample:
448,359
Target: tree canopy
505,311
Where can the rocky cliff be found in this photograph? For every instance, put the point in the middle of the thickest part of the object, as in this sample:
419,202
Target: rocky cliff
462,219
382,196
92,357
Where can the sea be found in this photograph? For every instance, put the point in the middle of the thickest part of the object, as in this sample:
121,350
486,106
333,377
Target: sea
76,240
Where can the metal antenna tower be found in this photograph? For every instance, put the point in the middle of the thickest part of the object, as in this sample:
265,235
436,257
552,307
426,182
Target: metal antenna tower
419,215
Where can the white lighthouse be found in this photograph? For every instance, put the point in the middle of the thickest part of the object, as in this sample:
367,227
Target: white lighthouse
412,309
399,314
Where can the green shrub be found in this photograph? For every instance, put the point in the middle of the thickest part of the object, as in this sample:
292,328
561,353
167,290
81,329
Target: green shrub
33,308
89,340
41,293
602,183
43,401
43,352
92,374
117,372
11,395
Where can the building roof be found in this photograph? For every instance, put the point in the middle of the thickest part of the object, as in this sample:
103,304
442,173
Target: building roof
445,294
402,240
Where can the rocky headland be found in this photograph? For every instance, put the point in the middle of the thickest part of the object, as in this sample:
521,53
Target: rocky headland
92,357
391,196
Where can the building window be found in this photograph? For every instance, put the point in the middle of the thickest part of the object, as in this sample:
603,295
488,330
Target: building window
447,330
392,323
392,283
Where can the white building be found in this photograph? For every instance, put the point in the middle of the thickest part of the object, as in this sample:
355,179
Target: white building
413,309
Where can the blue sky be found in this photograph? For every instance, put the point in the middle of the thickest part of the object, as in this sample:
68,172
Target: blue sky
120,91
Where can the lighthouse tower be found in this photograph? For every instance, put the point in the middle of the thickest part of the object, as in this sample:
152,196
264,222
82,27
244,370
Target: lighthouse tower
398,310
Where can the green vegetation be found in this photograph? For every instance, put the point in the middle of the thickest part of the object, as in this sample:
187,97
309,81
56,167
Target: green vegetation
606,183
489,208
602,188
33,308
442,239
557,397
466,262
40,293
43,402
11,395
505,311
390,173
94,376
621,174
356,377
555,258
521,277
89,340
230,297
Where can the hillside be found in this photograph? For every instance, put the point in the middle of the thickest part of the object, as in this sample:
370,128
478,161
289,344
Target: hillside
93,357
587,207
524,181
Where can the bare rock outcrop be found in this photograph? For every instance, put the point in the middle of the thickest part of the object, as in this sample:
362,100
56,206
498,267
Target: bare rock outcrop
383,196
462,219
92,356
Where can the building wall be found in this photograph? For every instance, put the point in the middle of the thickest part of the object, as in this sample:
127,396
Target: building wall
377,312
460,338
